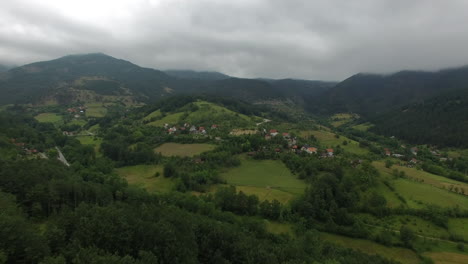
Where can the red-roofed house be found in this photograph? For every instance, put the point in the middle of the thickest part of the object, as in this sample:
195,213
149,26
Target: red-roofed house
330,152
311,150
273,132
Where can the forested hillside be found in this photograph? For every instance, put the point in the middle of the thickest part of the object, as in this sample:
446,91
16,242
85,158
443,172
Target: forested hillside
441,120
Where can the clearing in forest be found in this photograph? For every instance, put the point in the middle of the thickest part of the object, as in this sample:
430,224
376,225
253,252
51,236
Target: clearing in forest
145,177
268,179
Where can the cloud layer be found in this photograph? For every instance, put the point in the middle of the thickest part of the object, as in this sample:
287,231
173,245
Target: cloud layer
328,40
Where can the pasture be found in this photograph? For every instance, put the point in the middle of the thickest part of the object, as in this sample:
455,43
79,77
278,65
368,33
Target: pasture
144,176
329,139
402,255
447,257
268,179
183,150
49,118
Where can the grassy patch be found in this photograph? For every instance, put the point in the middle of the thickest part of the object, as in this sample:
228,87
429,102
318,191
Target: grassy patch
144,176
363,127
90,140
403,255
49,118
183,150
279,228
268,179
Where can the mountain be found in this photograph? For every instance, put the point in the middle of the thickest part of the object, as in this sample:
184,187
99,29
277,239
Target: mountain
197,75
441,120
68,78
99,77
4,68
371,94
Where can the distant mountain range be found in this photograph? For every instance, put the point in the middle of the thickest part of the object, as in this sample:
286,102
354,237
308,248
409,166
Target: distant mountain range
4,68
97,76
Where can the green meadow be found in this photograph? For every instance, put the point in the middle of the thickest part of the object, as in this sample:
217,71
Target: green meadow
269,179
49,118
328,139
145,177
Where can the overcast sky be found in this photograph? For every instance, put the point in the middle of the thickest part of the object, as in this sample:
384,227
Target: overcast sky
328,40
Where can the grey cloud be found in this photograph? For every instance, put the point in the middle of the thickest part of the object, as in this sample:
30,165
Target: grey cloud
328,40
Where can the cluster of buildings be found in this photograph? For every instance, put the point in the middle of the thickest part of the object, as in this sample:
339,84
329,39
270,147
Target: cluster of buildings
292,143
76,111
192,129
22,146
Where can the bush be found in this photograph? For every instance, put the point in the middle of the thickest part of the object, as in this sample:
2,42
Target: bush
461,246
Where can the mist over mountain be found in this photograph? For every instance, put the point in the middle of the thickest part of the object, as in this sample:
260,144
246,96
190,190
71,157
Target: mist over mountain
197,75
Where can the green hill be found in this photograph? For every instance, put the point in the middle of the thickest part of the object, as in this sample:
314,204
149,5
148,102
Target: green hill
201,113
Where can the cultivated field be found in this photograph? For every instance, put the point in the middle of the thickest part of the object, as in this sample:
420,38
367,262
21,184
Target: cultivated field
183,150
269,179
49,118
447,257
144,176
240,132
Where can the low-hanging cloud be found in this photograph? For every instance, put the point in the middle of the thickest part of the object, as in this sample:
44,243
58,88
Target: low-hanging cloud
328,40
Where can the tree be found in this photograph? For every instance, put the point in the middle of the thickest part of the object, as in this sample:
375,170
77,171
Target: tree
407,235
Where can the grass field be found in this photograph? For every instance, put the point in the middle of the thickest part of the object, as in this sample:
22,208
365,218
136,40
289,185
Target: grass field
390,196
49,118
95,110
328,139
403,255
459,226
144,176
426,177
183,150
170,119
268,179
417,194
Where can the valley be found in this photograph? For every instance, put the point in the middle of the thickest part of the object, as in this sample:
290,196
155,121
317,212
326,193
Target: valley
287,175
